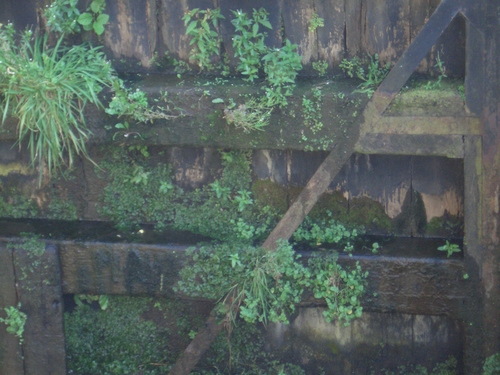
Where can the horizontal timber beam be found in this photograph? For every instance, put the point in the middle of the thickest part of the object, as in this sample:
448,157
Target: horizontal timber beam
412,125
424,285
451,146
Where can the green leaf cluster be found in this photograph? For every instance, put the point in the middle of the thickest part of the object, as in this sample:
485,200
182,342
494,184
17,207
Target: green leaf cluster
94,18
281,66
315,22
492,365
114,341
450,248
64,17
448,367
134,105
370,71
265,286
340,288
15,321
325,231
311,109
138,193
248,41
47,90
202,27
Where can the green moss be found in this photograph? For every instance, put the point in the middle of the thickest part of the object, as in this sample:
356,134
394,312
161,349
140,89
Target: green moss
269,193
445,226
369,214
137,335
62,209
16,205
115,341
335,203
413,218
140,192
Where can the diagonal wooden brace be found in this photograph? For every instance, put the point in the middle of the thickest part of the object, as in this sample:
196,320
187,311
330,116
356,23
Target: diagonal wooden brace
295,215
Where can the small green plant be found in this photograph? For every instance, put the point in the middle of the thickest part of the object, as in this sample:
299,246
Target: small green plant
248,41
492,365
450,248
325,231
62,16
134,105
254,114
202,27
261,286
441,73
315,22
312,110
115,341
448,367
320,66
94,18
15,321
34,248
281,67
266,286
341,289
371,72
47,90
102,299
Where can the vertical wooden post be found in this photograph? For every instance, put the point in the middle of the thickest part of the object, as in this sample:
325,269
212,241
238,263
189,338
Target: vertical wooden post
40,293
11,355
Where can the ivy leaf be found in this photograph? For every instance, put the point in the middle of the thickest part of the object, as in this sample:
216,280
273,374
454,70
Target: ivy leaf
85,19
98,28
97,5
103,19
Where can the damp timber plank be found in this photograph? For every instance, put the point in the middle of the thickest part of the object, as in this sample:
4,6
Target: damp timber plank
331,37
40,294
387,28
10,349
121,269
353,27
432,286
131,32
416,144
296,23
416,51
420,125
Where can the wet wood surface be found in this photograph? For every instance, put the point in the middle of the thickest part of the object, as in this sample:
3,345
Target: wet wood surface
40,294
11,353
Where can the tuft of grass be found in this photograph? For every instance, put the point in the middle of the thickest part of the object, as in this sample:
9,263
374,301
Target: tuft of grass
47,89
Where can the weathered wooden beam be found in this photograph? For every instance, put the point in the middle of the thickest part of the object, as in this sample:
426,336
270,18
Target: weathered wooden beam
451,146
11,354
105,268
120,269
39,289
316,186
417,50
420,125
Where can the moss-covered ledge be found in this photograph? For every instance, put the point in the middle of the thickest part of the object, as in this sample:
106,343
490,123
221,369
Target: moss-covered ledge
198,106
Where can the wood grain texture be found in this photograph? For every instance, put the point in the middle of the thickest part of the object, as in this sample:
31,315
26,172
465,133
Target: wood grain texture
387,30
11,354
40,294
131,31
331,37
